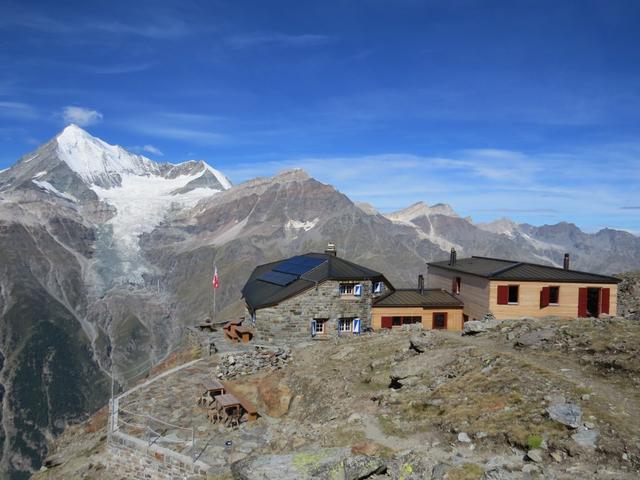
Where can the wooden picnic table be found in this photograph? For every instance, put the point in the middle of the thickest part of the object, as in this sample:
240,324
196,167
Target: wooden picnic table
247,406
212,389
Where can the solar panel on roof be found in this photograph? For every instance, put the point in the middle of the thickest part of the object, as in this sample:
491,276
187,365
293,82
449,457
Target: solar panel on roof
278,278
291,268
298,265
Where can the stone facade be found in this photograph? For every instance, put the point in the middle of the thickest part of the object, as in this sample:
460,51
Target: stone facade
290,321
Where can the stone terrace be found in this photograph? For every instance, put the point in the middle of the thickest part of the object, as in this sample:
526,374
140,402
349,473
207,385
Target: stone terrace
172,399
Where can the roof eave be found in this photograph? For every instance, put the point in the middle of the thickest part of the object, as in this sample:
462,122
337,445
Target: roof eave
607,280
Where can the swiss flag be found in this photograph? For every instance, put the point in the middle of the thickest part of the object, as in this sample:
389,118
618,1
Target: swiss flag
216,280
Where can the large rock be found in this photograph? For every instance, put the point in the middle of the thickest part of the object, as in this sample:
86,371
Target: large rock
320,464
568,414
586,438
275,395
474,327
535,338
420,343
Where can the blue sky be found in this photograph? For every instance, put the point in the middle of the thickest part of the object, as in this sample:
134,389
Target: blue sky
525,109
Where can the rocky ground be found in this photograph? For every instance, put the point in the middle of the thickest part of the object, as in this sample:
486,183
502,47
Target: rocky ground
550,398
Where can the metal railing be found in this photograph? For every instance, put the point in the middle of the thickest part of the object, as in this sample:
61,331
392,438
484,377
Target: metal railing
151,434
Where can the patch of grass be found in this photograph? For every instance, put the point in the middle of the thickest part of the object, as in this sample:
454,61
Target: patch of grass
390,428
534,442
345,436
468,471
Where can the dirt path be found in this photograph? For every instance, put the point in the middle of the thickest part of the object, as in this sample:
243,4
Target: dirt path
625,403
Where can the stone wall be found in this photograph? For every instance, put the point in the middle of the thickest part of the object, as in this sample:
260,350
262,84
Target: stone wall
289,321
130,457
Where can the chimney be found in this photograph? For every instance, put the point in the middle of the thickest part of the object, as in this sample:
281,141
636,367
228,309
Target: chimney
331,249
565,265
421,284
452,258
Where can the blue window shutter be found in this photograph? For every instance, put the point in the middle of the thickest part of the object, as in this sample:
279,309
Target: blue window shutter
356,325
357,290
313,328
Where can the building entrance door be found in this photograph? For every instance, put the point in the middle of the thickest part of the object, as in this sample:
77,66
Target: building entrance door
593,302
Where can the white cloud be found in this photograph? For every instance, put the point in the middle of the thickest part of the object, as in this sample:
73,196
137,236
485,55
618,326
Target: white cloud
17,110
530,187
80,116
152,149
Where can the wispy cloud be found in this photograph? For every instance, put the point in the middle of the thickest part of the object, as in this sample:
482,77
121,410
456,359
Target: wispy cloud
482,183
200,136
161,28
146,149
194,128
18,110
275,39
152,149
80,116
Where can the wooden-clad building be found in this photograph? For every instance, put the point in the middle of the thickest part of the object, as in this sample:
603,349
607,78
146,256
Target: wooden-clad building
512,289
433,309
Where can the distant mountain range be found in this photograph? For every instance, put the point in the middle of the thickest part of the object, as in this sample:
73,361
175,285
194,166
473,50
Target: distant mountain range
107,254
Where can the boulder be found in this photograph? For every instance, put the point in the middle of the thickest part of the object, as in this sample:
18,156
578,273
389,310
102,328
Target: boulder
535,455
568,414
535,338
321,464
360,467
464,437
420,343
586,438
474,327
275,395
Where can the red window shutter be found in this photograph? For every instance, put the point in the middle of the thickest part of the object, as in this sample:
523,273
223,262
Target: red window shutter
503,294
544,297
604,301
386,322
582,302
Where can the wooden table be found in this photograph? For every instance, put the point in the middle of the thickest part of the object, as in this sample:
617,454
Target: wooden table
212,389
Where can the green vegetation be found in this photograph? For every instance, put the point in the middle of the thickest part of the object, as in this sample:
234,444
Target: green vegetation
534,441
468,471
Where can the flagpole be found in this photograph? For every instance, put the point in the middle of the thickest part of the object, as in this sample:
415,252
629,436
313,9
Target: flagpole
214,295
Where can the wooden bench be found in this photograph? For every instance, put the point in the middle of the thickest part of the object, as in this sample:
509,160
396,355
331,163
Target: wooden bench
244,333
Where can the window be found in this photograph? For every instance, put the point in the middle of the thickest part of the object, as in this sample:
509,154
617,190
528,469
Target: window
345,324
346,288
554,295
513,293
439,321
399,321
320,322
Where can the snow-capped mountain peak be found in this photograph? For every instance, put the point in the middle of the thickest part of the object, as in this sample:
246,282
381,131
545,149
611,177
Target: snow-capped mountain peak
97,162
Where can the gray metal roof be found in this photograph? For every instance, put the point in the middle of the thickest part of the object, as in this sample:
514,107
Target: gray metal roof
499,269
413,298
260,294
